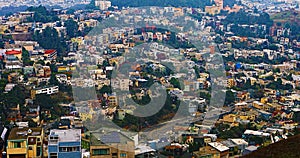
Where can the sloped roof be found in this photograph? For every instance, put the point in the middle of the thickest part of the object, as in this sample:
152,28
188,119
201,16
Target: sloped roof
13,52
50,51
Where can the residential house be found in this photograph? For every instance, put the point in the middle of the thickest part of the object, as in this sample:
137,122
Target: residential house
249,149
110,144
14,52
113,100
233,150
28,70
50,54
230,118
25,143
240,143
12,62
64,143
176,149
224,151
33,112
44,90
205,152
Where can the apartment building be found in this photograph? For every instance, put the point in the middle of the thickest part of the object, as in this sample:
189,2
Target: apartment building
64,143
25,142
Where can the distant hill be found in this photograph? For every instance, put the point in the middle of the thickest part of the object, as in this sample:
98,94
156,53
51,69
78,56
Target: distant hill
286,16
11,9
164,3
289,148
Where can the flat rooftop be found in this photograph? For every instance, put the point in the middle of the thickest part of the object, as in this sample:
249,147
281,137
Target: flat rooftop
23,132
70,135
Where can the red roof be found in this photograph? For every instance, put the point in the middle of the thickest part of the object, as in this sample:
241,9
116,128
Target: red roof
50,51
13,52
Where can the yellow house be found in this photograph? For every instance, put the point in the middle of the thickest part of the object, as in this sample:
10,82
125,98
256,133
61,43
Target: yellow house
267,107
85,116
258,105
249,115
63,68
207,151
66,68
264,100
3,28
178,12
230,82
77,40
230,118
212,10
25,143
113,101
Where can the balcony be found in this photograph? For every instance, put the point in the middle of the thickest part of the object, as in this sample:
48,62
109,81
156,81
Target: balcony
16,150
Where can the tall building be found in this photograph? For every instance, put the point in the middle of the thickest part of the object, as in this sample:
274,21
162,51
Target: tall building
103,4
25,143
64,143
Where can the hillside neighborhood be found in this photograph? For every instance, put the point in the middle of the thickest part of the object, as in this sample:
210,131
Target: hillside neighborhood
216,80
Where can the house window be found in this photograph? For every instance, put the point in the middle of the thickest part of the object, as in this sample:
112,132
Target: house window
17,144
53,155
38,151
69,149
100,152
114,154
53,138
123,155
63,149
30,148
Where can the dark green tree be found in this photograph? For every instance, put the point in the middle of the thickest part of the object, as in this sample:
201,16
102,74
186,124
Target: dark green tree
72,28
49,39
175,82
26,57
230,97
105,89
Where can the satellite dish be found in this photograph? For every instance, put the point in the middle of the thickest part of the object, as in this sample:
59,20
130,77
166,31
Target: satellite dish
29,131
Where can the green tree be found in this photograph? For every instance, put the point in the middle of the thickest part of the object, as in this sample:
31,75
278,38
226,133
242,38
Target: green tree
72,28
276,70
270,78
230,98
247,85
53,80
218,40
3,83
49,39
105,89
70,11
1,44
175,82
41,14
289,77
26,57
